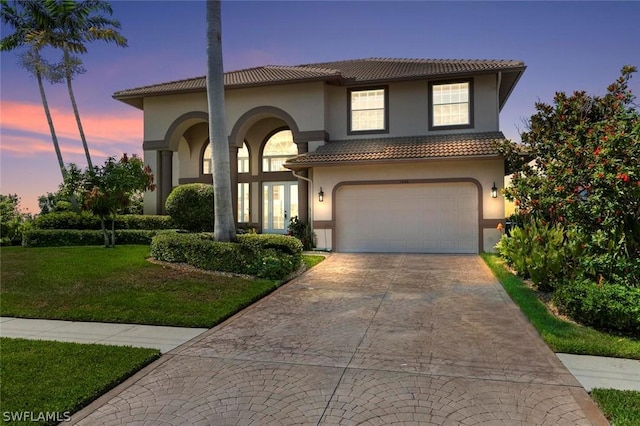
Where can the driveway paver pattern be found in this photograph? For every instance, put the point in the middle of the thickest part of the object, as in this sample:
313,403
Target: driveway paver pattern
376,339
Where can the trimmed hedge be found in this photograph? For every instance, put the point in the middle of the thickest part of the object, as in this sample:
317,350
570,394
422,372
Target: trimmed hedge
605,307
265,256
86,220
82,237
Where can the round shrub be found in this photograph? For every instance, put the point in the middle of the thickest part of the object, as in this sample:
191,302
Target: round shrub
191,207
603,306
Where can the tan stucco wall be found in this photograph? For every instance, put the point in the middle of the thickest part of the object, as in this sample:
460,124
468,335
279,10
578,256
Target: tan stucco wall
409,109
485,171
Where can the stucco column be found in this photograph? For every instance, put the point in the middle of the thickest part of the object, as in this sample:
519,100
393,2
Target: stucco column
166,178
233,160
303,187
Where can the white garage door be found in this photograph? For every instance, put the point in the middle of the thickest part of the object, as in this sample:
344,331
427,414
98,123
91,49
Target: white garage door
408,218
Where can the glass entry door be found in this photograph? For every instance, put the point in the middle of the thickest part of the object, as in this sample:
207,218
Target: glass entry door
279,205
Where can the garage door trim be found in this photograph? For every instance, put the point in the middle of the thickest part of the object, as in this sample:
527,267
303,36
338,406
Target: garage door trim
406,181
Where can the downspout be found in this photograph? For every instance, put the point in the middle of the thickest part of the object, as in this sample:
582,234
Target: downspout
499,83
293,172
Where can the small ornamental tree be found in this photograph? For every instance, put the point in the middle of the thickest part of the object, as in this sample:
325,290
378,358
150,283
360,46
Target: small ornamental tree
110,188
587,176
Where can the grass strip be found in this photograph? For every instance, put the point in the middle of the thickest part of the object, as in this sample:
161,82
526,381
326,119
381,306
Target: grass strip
55,379
311,260
560,335
621,408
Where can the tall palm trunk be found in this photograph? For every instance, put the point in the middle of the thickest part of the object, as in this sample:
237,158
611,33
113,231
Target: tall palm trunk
223,225
47,112
69,77
52,130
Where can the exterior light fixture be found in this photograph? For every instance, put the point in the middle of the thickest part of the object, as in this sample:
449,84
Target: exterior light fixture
494,191
321,195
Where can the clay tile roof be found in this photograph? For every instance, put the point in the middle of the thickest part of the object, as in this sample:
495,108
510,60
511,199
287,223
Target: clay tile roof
375,69
354,71
400,148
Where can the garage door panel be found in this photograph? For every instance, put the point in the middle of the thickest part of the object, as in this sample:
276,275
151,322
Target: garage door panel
427,218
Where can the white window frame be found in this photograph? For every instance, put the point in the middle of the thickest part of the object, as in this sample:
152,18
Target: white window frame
435,102
351,93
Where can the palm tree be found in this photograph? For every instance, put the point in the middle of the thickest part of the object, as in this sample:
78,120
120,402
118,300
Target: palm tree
23,21
68,26
223,225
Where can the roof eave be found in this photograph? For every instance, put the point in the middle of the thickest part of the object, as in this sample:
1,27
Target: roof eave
302,166
519,73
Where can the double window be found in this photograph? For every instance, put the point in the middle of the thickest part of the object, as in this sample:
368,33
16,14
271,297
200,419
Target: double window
368,110
451,105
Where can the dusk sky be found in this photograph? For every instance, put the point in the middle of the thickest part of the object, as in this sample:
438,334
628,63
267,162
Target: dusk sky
566,46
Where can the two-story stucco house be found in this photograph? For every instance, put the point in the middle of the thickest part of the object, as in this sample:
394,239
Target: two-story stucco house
393,155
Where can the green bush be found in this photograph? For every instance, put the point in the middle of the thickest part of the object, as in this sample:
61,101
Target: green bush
265,256
82,237
302,231
604,306
191,207
540,251
86,220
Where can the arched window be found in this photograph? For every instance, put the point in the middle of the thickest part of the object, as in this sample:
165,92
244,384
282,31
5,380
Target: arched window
207,167
277,150
243,160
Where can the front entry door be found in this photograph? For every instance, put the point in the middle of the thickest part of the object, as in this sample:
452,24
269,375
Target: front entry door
279,205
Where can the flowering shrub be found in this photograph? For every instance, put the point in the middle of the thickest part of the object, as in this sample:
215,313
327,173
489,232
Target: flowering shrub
587,174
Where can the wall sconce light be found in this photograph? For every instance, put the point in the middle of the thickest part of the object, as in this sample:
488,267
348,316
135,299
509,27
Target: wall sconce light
321,195
494,191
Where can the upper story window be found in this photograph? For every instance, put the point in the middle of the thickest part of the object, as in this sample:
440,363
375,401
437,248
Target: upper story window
278,148
243,160
368,110
451,105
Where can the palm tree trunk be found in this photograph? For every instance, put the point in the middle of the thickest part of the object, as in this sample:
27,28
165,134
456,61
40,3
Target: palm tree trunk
75,107
52,129
223,225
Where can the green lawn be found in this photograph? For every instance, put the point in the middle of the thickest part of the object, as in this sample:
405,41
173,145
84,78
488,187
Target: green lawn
560,335
117,285
55,377
622,408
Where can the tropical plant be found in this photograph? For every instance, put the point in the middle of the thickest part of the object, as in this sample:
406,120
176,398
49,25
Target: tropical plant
11,219
302,231
224,222
28,32
68,25
109,189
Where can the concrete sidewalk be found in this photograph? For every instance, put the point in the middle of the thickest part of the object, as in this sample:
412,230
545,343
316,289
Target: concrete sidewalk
591,371
145,336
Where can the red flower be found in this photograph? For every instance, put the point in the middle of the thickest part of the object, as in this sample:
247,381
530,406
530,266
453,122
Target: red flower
623,176
597,151
600,175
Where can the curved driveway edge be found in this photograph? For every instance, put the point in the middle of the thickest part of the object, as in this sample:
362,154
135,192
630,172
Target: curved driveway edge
373,339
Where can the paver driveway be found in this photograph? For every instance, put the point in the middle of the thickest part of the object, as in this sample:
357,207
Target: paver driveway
362,339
